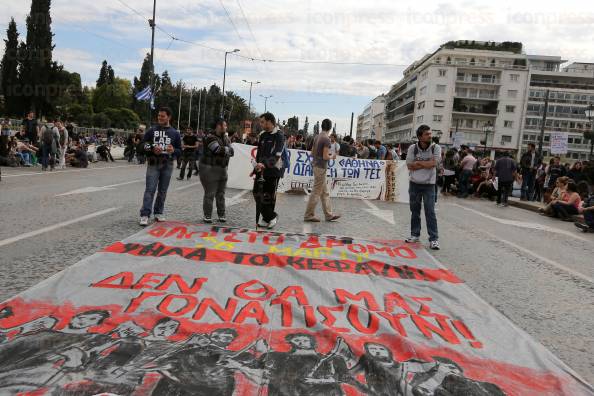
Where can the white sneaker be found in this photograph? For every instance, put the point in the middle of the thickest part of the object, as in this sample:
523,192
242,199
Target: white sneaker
262,224
412,239
160,218
143,221
272,223
434,245
207,220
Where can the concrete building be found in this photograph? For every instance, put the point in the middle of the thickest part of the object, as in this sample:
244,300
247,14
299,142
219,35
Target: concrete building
571,92
372,120
459,90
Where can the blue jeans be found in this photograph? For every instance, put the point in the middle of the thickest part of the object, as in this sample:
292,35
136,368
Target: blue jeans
528,185
589,218
423,194
464,183
158,177
47,156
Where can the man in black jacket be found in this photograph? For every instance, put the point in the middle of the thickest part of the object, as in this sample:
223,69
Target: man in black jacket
269,169
528,164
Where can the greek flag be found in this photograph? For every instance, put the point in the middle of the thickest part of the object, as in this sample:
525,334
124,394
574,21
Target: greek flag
145,94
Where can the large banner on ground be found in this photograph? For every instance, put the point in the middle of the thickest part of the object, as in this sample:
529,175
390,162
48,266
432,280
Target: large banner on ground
347,177
194,310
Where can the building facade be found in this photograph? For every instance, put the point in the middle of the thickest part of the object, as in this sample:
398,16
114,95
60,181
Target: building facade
372,120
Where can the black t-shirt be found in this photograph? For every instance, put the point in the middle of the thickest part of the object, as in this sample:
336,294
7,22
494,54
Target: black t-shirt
30,129
190,140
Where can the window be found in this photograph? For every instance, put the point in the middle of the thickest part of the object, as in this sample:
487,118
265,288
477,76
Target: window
469,123
420,118
437,118
443,72
512,93
510,109
421,105
439,103
514,77
506,139
508,124
460,76
440,89
569,140
423,90
577,140
547,138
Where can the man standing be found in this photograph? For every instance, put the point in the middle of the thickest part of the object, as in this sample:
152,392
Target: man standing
31,128
321,155
162,144
529,163
381,150
50,141
335,146
467,165
505,171
213,170
63,132
422,161
269,169
189,147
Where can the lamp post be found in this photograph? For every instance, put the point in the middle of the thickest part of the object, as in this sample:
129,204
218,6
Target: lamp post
251,84
590,134
487,129
266,102
224,78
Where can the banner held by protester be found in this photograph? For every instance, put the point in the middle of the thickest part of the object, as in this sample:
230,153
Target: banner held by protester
201,310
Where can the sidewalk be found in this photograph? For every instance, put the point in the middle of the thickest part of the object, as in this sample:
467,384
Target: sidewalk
528,205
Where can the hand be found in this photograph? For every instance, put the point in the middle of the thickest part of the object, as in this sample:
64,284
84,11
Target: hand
260,167
157,150
170,149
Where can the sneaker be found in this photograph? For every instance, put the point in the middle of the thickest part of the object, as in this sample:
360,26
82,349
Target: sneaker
412,239
222,219
160,217
583,227
312,220
180,178
207,220
262,223
143,221
499,205
272,223
333,218
434,245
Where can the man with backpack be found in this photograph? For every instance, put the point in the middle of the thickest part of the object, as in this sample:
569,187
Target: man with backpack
50,138
63,141
321,155
269,168
422,161
450,164
505,171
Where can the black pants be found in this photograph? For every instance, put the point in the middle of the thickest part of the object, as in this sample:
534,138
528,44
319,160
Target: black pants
265,197
187,159
564,210
503,191
447,183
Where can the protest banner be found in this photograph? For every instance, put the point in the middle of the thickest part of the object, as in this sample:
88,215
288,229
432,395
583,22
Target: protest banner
559,143
347,177
182,309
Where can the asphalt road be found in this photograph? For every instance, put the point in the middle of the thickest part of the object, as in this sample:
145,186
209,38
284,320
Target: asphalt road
539,272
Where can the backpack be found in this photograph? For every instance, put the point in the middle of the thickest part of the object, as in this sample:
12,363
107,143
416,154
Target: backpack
286,158
48,135
417,149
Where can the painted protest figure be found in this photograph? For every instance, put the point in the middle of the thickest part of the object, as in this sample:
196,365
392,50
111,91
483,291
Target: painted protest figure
446,378
201,366
382,373
42,359
301,371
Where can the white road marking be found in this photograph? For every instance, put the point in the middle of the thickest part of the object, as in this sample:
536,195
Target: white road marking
522,224
68,171
92,189
55,227
306,228
386,215
541,258
235,200
187,186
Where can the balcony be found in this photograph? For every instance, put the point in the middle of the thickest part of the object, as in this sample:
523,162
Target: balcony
478,80
581,117
476,95
402,103
488,109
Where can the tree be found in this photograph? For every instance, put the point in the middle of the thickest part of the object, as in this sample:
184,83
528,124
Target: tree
37,63
114,95
140,83
293,124
103,77
9,82
122,118
101,120
110,75
306,126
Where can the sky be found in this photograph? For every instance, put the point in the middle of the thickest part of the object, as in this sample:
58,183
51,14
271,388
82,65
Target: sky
384,35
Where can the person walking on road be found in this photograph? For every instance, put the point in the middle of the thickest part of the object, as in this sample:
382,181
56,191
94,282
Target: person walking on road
422,161
162,144
269,168
321,155
529,163
213,170
505,170
189,147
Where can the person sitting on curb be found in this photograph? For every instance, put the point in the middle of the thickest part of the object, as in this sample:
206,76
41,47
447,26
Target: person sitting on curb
568,207
559,194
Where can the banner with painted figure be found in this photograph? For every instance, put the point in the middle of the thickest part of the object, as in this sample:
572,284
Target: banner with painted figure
347,177
200,310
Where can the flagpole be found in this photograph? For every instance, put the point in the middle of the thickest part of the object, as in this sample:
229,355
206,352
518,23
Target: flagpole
199,105
190,109
180,103
152,78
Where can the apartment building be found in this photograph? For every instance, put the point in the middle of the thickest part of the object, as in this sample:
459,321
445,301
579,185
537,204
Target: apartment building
372,120
570,92
470,90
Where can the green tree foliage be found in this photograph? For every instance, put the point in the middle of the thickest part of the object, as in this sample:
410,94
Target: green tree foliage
114,95
9,83
103,79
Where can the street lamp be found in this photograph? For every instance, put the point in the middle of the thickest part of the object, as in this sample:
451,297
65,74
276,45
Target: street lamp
251,84
487,129
590,134
266,102
224,78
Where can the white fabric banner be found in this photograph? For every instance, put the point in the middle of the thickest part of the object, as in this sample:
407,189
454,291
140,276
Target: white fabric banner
347,177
